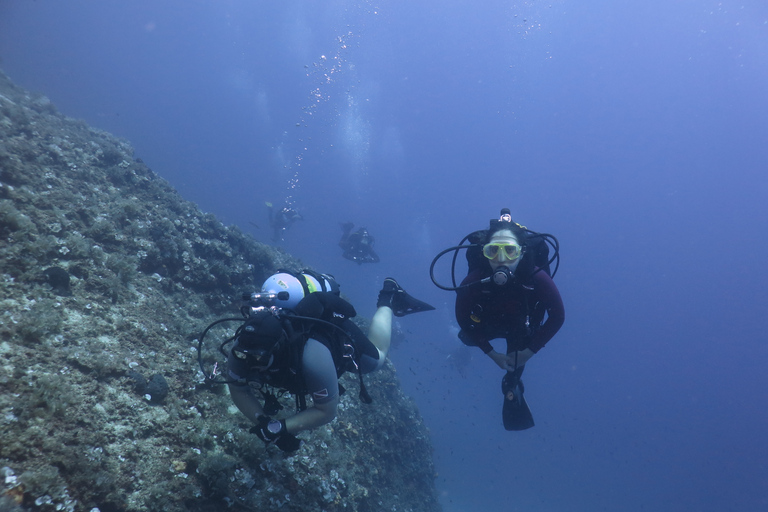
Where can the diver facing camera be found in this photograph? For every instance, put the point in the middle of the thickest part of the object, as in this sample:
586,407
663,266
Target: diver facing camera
508,293
530,248
357,246
504,254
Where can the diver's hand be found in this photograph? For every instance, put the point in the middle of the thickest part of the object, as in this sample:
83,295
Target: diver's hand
503,360
268,429
274,431
510,362
522,356
288,442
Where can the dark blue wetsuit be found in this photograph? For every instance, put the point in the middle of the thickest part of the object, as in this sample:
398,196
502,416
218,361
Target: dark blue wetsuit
318,369
486,312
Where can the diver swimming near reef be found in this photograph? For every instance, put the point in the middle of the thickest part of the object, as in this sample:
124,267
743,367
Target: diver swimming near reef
296,336
508,293
281,220
357,246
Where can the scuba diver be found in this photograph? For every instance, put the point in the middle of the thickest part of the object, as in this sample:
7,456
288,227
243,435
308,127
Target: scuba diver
508,293
296,336
357,246
282,220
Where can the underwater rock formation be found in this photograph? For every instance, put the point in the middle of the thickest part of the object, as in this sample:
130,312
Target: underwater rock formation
108,278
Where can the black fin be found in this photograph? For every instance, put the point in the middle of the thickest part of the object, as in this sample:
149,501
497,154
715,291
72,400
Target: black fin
515,412
402,304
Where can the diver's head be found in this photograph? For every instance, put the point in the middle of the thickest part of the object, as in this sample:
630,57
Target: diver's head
504,248
292,283
258,340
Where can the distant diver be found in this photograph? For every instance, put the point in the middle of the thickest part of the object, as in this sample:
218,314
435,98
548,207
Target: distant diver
282,220
508,293
296,336
357,246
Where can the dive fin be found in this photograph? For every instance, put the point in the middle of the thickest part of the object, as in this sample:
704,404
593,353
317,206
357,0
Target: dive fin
346,227
399,300
515,412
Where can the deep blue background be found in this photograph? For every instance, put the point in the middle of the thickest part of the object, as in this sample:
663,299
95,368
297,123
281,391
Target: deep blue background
638,134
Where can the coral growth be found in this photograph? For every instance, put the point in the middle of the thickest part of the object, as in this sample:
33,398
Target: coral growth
108,277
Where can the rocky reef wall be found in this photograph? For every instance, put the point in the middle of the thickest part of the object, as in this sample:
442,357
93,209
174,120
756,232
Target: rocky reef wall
108,277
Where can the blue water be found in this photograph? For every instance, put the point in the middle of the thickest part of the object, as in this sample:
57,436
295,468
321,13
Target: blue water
637,134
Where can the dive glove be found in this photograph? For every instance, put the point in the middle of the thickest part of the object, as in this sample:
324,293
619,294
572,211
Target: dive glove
288,442
273,431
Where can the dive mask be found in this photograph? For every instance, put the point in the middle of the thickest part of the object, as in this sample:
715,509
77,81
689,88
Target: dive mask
510,250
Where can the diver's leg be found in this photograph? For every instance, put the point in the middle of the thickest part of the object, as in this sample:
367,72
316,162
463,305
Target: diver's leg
371,351
380,332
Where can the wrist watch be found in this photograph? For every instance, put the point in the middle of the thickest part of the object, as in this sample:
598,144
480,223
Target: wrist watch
274,427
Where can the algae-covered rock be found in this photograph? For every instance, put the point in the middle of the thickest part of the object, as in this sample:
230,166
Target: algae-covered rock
108,278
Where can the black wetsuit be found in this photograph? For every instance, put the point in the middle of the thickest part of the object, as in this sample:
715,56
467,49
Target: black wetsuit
485,312
358,247
318,372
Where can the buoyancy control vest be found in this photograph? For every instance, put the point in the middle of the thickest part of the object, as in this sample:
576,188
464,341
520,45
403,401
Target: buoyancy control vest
321,316
516,285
